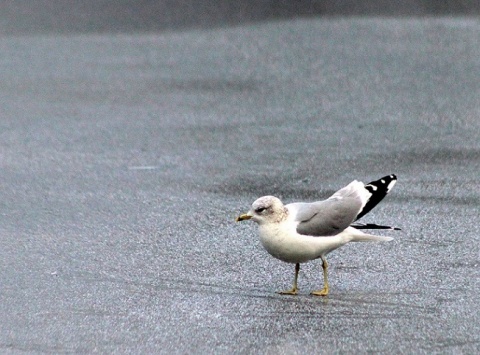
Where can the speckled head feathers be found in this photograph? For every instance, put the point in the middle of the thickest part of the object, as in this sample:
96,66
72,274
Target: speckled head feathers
268,209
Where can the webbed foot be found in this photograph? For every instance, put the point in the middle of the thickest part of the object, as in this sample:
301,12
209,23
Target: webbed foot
322,292
293,291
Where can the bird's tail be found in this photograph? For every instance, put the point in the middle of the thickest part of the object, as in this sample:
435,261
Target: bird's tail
359,236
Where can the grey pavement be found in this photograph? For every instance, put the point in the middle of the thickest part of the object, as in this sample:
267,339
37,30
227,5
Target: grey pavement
124,159
110,16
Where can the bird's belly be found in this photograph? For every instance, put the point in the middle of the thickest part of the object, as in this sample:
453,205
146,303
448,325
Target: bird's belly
297,248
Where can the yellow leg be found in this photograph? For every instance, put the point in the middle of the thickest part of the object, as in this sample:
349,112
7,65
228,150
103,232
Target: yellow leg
324,291
294,289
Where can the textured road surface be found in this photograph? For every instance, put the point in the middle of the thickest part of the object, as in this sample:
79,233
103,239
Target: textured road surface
124,159
111,16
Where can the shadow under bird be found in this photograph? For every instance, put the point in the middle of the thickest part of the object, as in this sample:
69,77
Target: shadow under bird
300,232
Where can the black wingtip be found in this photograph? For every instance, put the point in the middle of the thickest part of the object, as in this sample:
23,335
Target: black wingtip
373,226
382,185
379,189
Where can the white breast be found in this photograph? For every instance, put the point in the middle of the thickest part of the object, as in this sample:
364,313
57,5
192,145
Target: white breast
283,242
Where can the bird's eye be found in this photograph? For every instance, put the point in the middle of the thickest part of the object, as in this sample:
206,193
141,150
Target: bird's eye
260,209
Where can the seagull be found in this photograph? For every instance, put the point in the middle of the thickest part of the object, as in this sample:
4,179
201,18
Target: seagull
301,231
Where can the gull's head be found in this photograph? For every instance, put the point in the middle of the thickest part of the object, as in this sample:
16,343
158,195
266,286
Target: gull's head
267,209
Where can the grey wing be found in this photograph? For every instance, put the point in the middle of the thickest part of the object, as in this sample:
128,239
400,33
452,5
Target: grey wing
327,218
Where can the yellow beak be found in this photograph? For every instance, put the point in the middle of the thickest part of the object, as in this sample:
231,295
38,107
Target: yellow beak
243,217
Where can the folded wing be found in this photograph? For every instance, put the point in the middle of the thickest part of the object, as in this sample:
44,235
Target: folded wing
347,205
332,216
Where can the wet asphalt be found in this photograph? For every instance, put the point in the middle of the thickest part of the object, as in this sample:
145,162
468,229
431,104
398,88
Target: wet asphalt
125,158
